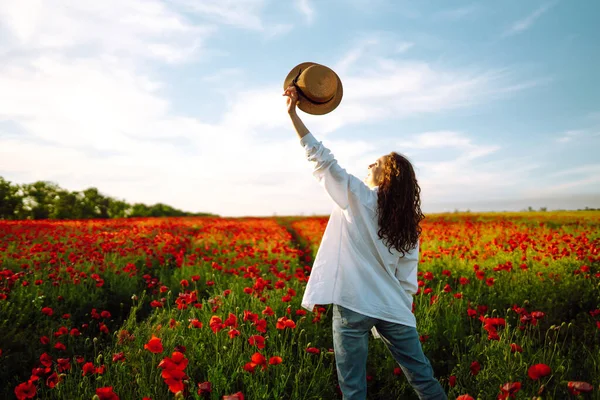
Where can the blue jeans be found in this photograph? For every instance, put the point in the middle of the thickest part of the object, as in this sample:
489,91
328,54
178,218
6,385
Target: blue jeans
351,346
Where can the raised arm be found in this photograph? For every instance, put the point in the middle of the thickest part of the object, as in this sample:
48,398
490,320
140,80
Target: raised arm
292,100
338,183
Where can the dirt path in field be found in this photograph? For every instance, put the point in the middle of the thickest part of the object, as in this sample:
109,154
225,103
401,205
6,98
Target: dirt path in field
297,240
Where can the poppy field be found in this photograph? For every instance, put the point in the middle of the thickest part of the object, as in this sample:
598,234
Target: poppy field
209,308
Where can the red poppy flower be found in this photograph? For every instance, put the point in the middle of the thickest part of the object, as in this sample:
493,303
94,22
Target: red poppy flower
578,387
464,397
261,325
475,368
195,323
88,368
538,314
275,360
47,311
268,311
313,350
286,299
46,360
174,379
250,367
235,396
106,393
215,323
26,390
156,304
154,345
52,380
509,389
204,387
538,371
44,340
250,316
257,340
64,364
231,321
452,381
177,361
233,333
39,372
118,357
515,348
258,359
397,371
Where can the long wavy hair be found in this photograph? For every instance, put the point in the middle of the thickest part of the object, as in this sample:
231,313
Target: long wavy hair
399,204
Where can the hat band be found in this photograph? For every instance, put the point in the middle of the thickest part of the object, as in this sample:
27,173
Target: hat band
305,96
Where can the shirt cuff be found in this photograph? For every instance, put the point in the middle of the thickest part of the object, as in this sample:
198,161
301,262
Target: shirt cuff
308,140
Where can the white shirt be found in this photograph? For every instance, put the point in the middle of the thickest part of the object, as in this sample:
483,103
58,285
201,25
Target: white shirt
353,267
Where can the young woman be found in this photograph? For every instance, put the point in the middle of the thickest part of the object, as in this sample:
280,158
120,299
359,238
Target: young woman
366,265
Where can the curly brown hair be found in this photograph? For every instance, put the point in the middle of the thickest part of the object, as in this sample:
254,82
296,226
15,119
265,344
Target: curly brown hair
399,204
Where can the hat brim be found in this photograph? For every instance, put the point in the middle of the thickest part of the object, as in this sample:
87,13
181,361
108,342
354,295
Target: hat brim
307,105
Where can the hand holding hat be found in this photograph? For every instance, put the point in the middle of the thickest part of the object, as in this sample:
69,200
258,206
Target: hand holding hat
315,88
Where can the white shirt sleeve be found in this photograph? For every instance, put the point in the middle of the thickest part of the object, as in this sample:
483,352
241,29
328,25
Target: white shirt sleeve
338,183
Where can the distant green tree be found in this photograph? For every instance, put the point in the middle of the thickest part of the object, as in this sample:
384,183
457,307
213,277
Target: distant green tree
94,204
118,208
67,206
10,199
46,200
38,199
139,210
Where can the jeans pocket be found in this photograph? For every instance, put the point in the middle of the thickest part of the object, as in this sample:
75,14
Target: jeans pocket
352,319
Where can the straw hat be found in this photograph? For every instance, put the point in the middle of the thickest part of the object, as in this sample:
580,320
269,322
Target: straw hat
319,88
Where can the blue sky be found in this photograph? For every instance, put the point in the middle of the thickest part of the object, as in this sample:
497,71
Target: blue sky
179,101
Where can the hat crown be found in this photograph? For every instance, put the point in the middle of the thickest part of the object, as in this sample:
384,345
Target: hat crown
318,83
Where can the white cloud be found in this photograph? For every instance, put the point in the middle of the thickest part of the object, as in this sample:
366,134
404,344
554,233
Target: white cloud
305,7
133,28
428,140
576,135
592,169
525,23
583,184
456,13
240,13
403,47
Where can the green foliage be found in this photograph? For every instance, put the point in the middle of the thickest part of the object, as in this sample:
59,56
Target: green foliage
46,200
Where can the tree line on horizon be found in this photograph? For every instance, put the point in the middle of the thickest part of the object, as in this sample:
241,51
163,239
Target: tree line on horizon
47,200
